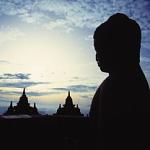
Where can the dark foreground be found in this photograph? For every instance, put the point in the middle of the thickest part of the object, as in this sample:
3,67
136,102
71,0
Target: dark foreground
47,132
72,133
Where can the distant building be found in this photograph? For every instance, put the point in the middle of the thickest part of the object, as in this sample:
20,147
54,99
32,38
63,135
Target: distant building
22,107
69,108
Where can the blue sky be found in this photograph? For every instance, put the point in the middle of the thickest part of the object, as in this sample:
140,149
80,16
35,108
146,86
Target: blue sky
47,47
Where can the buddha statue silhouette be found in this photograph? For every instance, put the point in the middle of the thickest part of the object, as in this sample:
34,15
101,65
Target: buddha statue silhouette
121,104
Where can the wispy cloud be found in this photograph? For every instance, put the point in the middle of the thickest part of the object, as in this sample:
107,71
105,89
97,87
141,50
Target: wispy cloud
2,100
85,97
78,88
21,84
82,88
9,33
71,14
34,93
2,109
4,62
30,93
15,76
75,13
145,61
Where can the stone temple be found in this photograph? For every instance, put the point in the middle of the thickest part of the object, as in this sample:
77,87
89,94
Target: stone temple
22,107
69,109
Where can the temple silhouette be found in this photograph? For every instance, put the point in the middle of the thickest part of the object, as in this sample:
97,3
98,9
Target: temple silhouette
22,107
69,109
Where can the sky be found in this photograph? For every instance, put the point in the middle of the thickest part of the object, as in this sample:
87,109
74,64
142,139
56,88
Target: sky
47,47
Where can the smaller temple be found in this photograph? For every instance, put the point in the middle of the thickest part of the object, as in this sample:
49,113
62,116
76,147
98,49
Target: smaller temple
68,109
22,107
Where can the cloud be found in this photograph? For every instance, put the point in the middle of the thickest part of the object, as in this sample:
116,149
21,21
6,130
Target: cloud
75,78
3,109
15,76
31,93
4,62
21,84
9,33
82,88
3,100
85,97
145,64
145,59
74,13
61,89
71,14
78,88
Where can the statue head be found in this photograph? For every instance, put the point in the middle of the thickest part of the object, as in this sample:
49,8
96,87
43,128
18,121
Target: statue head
117,43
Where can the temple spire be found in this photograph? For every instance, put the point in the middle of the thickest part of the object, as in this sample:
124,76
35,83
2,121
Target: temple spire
34,105
59,105
24,92
69,93
11,104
